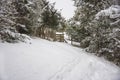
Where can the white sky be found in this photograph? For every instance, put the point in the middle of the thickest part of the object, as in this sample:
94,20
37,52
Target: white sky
66,6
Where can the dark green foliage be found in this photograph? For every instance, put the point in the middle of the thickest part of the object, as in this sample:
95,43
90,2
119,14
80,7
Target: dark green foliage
49,21
50,17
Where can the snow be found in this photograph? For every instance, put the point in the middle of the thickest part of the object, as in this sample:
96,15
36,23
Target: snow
23,26
44,60
59,33
113,12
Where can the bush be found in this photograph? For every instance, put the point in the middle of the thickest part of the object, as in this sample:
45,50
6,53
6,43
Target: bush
12,37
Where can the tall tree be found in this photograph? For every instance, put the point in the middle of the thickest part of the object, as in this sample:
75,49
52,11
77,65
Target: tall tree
85,13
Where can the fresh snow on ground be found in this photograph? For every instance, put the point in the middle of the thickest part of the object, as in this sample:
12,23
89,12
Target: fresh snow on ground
44,60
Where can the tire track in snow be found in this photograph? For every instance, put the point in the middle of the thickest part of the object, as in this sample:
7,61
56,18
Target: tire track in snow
65,70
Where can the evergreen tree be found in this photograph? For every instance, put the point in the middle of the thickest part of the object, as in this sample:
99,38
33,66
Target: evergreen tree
99,27
84,15
8,31
50,19
105,37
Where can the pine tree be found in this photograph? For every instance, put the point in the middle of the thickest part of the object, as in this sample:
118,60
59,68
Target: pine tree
50,19
106,38
14,20
101,21
84,15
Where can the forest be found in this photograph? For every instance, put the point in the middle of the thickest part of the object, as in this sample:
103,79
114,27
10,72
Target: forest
95,25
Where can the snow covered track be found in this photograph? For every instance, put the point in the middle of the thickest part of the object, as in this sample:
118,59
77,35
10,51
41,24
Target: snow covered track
66,69
44,60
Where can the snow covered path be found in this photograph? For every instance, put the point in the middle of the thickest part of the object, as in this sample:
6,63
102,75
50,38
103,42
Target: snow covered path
44,60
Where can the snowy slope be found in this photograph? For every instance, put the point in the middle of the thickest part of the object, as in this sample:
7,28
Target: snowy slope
44,60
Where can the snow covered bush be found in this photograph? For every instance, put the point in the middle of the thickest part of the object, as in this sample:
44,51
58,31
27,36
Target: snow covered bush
106,34
12,37
99,27
9,22
84,15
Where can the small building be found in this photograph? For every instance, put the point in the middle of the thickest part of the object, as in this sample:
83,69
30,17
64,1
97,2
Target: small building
59,36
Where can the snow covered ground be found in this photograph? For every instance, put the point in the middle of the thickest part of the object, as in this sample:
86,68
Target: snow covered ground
44,60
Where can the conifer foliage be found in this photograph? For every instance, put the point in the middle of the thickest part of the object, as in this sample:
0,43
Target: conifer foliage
26,17
99,27
8,22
